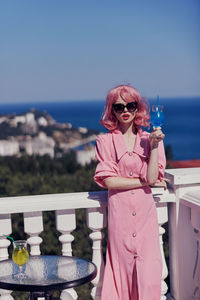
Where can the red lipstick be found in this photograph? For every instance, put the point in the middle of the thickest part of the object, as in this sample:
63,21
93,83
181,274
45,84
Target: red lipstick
125,116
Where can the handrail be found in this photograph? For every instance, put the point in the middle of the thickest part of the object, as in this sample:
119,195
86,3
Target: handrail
50,202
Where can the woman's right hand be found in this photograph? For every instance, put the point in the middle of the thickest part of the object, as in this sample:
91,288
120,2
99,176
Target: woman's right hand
155,137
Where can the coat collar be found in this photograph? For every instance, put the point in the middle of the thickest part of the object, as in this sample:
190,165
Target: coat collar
140,147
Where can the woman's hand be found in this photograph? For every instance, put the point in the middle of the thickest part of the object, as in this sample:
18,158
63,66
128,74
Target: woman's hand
162,183
156,136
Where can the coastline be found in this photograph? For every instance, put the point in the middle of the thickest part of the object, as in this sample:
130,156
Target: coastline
181,125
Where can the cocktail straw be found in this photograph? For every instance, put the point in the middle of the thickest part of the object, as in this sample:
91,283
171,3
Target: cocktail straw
9,237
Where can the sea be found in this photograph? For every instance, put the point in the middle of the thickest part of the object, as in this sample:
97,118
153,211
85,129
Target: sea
181,126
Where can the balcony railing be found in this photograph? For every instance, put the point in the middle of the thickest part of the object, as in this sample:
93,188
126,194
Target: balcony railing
179,205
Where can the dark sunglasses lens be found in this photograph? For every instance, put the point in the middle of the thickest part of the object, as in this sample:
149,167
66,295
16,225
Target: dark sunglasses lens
131,106
118,108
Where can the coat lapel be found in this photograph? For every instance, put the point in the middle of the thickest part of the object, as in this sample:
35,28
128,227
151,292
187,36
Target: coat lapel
141,146
119,144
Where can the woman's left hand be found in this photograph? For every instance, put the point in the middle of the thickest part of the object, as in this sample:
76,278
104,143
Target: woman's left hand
162,183
156,136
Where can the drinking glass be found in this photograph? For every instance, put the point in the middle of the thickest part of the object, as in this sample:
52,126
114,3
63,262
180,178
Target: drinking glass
20,256
157,115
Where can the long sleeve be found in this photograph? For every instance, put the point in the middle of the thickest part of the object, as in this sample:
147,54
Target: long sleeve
106,167
161,164
161,161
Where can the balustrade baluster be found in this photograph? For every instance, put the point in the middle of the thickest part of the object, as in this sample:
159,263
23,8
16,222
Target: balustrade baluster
66,223
195,221
5,295
33,226
5,228
162,219
96,221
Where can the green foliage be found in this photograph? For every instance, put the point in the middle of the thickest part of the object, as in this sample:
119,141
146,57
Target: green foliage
29,175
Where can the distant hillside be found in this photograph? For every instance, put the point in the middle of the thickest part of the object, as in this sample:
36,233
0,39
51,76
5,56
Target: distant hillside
37,133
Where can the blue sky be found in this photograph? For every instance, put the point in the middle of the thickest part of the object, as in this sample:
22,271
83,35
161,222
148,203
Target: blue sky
79,49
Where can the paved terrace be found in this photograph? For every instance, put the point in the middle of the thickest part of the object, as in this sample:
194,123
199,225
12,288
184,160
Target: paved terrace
179,205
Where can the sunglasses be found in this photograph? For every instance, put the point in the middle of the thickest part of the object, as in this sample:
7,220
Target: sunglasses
119,107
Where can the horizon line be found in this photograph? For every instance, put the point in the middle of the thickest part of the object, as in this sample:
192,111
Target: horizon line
89,99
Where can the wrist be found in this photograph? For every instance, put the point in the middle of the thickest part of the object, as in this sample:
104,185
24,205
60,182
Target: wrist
143,182
154,145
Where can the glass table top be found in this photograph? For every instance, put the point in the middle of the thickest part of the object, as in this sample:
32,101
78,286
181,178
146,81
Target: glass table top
47,272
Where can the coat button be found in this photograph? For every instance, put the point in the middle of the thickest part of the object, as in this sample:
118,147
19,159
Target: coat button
130,153
134,234
134,213
132,192
131,173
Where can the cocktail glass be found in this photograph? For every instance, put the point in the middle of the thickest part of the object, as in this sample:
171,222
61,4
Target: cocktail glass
157,115
20,256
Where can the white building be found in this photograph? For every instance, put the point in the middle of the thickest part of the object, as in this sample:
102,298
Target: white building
82,130
42,121
18,119
30,118
9,147
85,156
3,119
41,145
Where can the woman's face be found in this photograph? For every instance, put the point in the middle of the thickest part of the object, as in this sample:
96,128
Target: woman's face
126,117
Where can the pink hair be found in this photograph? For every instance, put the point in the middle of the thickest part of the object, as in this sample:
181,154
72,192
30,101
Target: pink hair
128,94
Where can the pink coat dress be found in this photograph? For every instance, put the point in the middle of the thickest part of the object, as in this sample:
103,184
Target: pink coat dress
133,260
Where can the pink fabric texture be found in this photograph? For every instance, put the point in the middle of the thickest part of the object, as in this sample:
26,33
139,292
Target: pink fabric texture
133,260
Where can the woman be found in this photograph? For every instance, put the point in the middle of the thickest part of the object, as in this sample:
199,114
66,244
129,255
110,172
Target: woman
130,160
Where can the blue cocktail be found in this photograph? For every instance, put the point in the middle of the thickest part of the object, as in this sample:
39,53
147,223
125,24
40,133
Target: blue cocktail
157,115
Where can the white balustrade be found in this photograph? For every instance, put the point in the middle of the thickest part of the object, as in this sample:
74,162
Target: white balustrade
162,219
191,200
65,206
66,223
196,273
162,198
179,205
33,226
184,216
96,221
5,228
5,295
